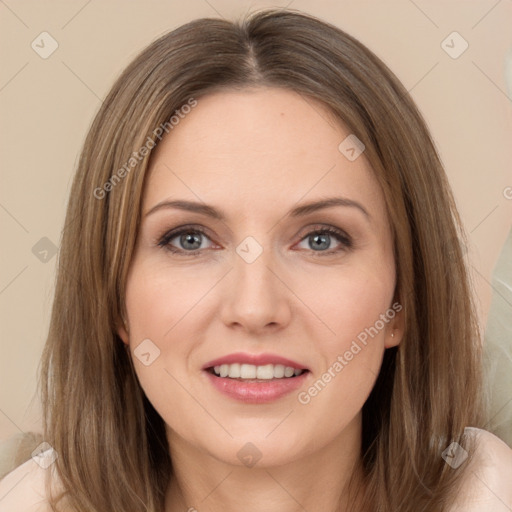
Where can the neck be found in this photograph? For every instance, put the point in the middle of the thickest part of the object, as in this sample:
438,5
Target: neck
315,481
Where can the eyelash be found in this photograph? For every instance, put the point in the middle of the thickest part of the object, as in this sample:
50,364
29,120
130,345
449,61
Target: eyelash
341,236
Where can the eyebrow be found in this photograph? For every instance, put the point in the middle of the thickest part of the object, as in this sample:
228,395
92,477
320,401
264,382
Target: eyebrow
298,211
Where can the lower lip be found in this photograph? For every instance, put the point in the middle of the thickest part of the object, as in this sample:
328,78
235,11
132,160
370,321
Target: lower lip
256,392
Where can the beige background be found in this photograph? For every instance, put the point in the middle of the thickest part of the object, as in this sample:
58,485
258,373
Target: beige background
47,105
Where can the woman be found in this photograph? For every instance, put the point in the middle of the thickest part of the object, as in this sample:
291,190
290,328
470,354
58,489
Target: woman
261,301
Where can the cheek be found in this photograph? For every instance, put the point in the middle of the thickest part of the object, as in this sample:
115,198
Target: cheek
347,302
157,299
355,310
159,308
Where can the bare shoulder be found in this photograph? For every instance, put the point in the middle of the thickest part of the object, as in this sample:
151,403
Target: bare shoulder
24,489
486,487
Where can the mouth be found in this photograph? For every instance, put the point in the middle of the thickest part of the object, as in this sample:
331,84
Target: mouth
255,373
253,384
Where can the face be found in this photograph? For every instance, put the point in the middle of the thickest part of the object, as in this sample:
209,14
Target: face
238,278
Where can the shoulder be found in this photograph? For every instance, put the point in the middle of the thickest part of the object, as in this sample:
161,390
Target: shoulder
24,488
486,485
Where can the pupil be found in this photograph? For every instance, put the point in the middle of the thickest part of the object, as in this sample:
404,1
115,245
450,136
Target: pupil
185,239
324,243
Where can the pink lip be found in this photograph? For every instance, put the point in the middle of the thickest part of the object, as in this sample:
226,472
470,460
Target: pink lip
256,391
255,359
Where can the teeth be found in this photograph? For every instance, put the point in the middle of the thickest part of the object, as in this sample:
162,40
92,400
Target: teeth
278,371
250,371
234,371
265,372
247,371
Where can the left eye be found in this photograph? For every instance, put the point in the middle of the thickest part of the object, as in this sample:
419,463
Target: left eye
321,239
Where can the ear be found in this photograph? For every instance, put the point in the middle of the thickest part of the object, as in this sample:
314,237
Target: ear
396,327
123,332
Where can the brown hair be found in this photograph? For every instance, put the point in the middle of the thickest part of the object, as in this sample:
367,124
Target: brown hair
113,452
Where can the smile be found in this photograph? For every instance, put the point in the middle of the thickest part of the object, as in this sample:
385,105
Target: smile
250,371
252,384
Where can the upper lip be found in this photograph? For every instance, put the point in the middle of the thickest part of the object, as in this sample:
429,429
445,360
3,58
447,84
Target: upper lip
254,359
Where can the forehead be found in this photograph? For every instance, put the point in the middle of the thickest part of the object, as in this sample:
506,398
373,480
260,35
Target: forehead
262,148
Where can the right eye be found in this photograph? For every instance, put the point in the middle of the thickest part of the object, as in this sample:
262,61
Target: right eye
188,239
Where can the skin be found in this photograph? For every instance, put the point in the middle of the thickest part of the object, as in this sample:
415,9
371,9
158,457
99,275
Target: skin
255,154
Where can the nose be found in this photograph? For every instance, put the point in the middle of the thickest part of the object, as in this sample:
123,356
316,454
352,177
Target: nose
256,298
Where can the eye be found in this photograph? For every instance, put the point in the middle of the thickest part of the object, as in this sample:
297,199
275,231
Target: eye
189,240
320,239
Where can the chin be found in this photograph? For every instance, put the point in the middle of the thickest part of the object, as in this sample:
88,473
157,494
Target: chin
258,448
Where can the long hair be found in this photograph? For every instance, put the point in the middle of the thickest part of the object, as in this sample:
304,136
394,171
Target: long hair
111,443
